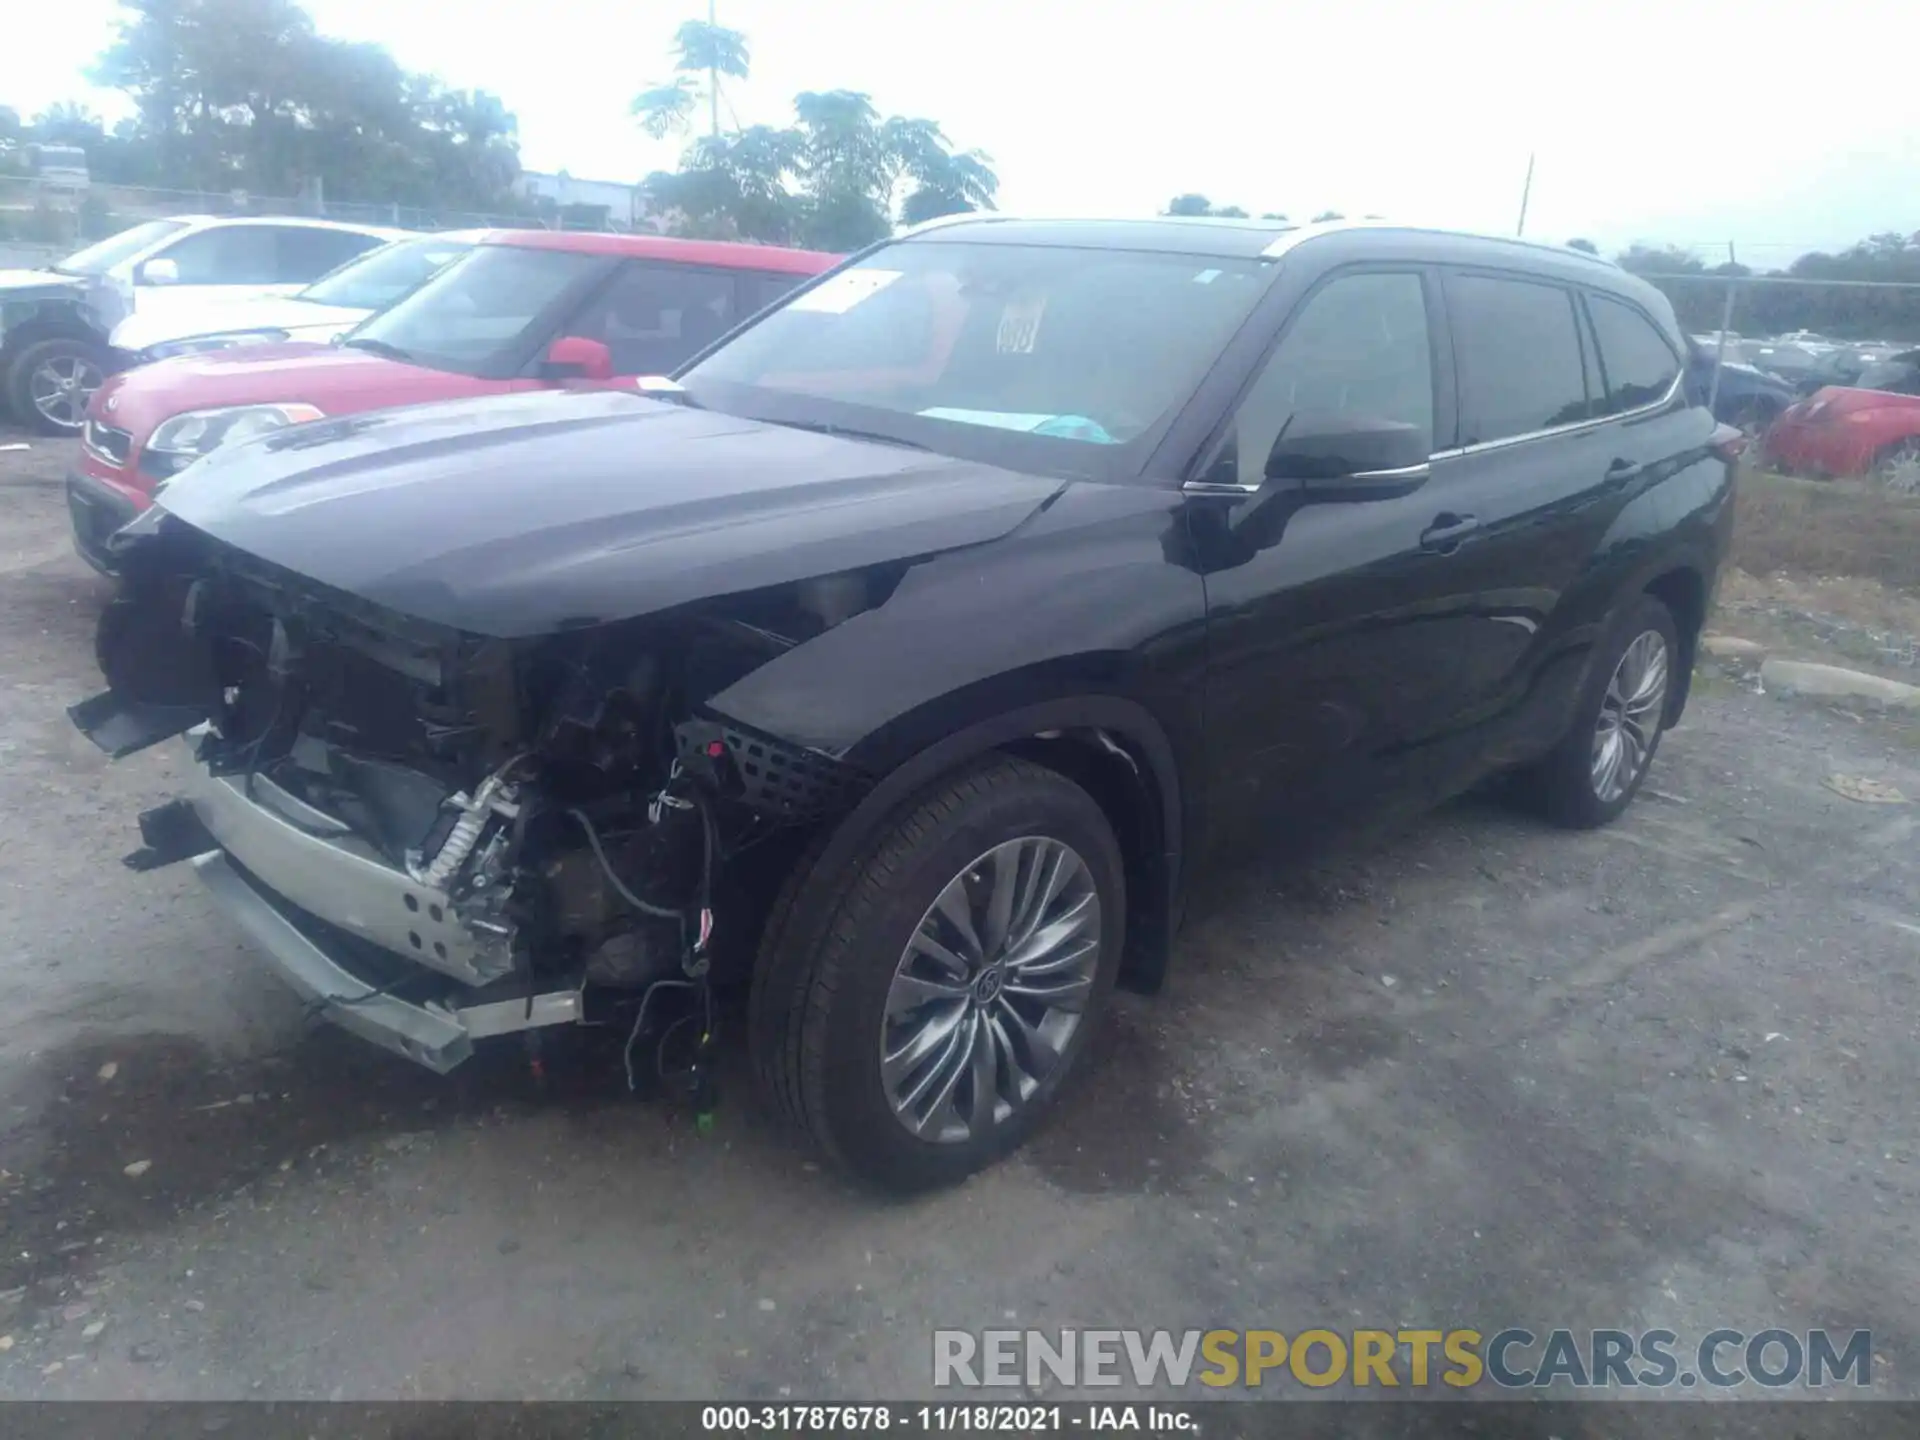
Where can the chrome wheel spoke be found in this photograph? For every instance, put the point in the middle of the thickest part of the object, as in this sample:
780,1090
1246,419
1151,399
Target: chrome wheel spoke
911,992
1003,887
1044,945
908,1062
990,989
1030,1052
956,908
984,1089
1629,719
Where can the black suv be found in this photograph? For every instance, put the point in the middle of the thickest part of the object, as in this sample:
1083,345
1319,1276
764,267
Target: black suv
906,654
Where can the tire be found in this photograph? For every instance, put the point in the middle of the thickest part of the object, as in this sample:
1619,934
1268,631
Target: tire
71,368
837,943
1567,786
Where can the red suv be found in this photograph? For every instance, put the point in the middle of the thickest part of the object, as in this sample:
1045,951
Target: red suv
524,310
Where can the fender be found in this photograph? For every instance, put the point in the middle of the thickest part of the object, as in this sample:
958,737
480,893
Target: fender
1154,906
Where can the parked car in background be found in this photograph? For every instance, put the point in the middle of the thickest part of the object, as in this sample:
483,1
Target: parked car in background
1869,428
55,322
1805,369
331,306
1746,398
522,310
914,654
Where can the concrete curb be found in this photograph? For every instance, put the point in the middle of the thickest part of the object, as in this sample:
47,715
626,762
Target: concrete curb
1800,677
1732,647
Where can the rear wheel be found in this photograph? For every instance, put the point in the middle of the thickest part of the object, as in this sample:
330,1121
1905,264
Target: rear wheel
1899,465
1594,772
50,383
917,1012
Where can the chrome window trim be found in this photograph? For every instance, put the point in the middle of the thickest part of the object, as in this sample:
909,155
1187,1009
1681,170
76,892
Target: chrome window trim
1572,428
1416,472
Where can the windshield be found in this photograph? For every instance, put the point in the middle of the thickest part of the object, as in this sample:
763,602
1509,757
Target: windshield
102,256
480,314
375,280
1091,347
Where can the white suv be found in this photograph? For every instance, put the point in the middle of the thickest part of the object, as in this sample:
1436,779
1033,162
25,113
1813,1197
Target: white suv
54,353
331,306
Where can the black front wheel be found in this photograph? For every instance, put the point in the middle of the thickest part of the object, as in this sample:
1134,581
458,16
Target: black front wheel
916,1012
50,383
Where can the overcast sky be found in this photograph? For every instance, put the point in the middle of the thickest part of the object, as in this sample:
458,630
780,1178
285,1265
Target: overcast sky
1695,121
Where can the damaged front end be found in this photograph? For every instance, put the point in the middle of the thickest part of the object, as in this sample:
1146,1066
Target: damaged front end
436,836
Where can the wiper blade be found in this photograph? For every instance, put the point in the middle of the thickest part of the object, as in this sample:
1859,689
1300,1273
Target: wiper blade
848,432
378,347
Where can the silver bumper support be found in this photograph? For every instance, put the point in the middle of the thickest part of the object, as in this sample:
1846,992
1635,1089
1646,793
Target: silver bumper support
312,860
316,862
436,1036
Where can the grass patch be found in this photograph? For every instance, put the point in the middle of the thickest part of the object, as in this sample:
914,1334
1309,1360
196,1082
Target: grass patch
1826,528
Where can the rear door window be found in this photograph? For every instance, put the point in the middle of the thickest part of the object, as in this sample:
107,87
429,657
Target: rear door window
1635,358
653,317
761,290
1517,348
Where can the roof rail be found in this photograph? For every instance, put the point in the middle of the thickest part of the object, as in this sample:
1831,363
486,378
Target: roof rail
1305,232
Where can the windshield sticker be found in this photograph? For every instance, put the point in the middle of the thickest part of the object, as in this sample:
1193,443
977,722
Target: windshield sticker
1020,326
1206,277
844,291
1059,427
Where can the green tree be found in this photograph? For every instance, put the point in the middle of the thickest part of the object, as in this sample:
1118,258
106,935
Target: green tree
246,93
67,122
1191,204
1659,260
701,48
834,179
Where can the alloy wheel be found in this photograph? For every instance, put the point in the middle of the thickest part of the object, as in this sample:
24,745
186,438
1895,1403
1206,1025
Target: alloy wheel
1630,713
61,386
990,989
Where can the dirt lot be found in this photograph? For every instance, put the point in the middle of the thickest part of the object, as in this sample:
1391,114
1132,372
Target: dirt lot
1478,1074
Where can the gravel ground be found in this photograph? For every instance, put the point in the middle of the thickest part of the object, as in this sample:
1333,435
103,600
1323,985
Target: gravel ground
1477,1074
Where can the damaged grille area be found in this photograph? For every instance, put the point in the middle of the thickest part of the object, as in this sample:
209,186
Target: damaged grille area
555,812
775,778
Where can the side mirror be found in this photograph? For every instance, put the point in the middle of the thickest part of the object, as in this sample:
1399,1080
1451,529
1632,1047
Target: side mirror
158,271
574,357
1349,457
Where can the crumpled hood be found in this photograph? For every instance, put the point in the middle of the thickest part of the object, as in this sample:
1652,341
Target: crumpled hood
24,290
520,515
13,281
222,317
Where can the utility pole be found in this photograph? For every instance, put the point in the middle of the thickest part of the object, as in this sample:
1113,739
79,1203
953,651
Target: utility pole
1726,324
1526,189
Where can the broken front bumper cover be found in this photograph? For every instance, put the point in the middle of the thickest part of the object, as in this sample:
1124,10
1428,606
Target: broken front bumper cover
270,860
